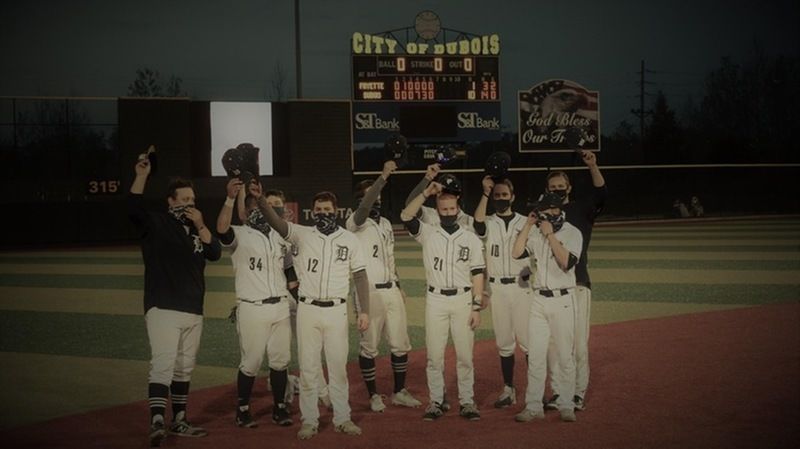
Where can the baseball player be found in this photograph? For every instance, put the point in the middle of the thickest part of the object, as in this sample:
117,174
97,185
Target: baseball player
261,265
387,309
508,286
450,185
580,213
277,199
556,246
175,247
325,255
454,264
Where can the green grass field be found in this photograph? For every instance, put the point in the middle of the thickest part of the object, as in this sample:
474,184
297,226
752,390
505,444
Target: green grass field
72,335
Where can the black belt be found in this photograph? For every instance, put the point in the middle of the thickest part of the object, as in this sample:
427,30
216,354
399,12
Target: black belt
552,293
270,300
318,303
387,285
510,280
449,291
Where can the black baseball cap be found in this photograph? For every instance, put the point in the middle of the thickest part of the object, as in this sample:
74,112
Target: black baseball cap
548,200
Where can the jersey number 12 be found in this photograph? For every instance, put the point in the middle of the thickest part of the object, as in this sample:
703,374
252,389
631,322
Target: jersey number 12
312,265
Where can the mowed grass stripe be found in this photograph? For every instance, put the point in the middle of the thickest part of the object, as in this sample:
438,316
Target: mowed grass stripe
85,269
87,300
692,255
125,337
736,238
131,259
672,247
693,293
671,263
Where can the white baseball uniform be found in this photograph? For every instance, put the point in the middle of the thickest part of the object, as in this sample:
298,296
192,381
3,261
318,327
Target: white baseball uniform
552,314
262,311
509,283
323,264
387,310
449,261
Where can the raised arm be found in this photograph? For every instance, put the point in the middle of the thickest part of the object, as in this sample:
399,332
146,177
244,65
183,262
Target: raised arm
561,253
136,210
480,211
519,251
413,207
430,175
275,222
234,189
590,159
361,214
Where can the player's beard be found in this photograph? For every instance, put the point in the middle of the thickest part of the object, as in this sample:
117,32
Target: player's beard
326,223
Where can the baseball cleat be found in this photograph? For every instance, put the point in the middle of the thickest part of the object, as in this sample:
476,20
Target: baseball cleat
348,428
157,433
580,404
470,412
182,428
280,415
306,432
445,405
552,403
376,403
528,415
434,411
244,418
404,398
568,415
507,398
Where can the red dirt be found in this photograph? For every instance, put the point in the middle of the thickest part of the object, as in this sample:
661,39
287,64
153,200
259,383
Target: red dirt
712,380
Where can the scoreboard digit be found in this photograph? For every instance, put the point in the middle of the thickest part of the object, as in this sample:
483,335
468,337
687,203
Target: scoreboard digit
411,78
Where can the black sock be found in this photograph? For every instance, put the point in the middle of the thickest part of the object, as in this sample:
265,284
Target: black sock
278,379
368,372
399,367
157,394
244,388
507,366
180,393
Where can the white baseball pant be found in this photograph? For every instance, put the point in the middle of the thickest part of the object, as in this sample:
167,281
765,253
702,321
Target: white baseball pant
318,329
263,327
387,317
511,306
583,308
443,315
174,340
551,317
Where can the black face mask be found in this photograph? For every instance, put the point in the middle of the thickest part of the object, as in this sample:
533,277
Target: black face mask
279,210
501,205
375,211
179,212
326,223
258,221
562,193
448,221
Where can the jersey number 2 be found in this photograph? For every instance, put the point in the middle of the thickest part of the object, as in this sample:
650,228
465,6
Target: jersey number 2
312,265
374,250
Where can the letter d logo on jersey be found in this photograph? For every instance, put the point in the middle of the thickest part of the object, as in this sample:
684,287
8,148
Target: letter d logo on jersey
463,253
342,252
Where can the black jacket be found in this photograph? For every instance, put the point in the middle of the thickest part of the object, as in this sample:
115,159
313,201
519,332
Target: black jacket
174,261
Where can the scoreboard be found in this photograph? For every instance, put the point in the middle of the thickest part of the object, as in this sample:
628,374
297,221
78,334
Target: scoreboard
425,78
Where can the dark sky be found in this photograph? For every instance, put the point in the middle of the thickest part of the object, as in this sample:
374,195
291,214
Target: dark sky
229,50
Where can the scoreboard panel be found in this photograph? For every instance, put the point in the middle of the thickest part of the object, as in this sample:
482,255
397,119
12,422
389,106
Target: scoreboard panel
425,78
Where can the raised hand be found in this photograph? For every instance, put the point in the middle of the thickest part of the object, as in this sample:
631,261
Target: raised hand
234,187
